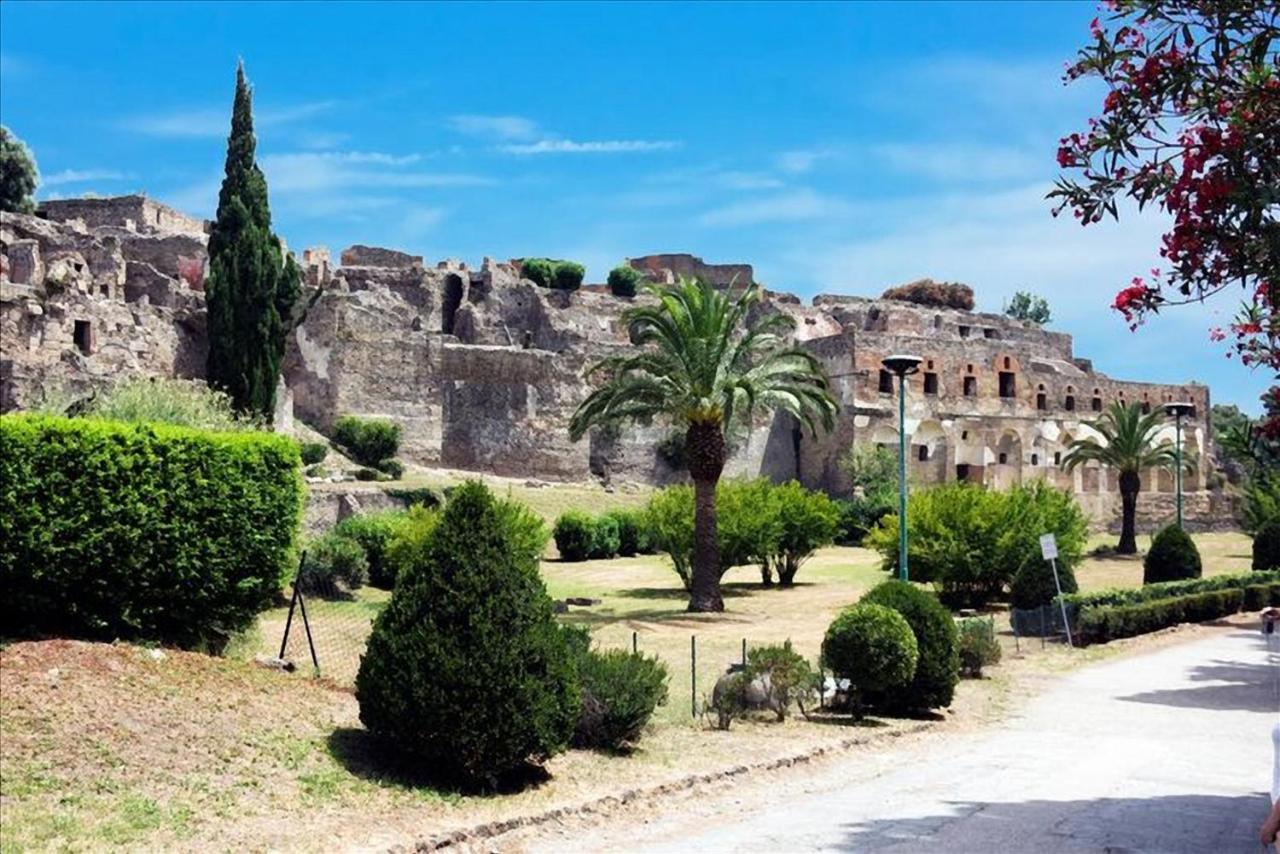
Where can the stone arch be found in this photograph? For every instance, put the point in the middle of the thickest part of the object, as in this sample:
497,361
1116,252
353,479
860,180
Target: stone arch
930,436
1069,399
1006,465
1042,397
885,434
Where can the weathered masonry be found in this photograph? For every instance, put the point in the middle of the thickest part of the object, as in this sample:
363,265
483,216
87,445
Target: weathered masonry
482,368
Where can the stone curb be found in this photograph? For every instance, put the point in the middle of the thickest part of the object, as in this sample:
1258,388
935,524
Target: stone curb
491,829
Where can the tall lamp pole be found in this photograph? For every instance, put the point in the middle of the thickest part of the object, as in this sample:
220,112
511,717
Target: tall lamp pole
1178,410
902,366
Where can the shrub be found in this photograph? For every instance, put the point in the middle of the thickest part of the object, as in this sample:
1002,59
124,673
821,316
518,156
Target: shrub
1259,596
872,472
313,453
807,520
669,522
1167,590
937,294
155,400
624,280
1033,586
333,566
938,668
1099,625
788,674
620,691
873,647
858,516
574,534
568,276
466,669
633,539
368,441
605,537
368,474
1266,546
1173,557
978,647
374,532
408,542
1261,501
524,529
746,524
540,271
417,495
972,542
392,468
316,470
142,532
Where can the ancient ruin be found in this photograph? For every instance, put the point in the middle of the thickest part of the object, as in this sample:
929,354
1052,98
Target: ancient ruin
482,368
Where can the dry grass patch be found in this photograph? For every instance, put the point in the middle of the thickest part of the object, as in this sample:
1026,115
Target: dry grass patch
1220,552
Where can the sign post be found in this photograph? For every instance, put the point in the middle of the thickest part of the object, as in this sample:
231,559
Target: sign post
1049,548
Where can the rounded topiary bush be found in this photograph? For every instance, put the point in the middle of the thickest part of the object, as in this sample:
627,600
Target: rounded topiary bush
938,669
1033,585
1173,557
540,271
1266,545
466,669
568,275
575,535
369,442
873,647
606,539
633,539
313,452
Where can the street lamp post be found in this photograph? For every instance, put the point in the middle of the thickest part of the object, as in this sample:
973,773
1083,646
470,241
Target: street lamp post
1178,410
902,366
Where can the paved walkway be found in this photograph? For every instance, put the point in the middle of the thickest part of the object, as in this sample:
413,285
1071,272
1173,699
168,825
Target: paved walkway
1164,752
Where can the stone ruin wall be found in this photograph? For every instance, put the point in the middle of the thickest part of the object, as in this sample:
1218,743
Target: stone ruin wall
483,369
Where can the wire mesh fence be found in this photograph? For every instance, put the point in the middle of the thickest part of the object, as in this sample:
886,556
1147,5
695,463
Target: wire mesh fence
325,627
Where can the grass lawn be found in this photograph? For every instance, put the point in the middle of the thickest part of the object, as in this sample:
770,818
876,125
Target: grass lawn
1220,553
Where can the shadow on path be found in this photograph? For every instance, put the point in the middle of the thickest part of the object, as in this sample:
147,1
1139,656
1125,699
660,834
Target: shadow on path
1238,685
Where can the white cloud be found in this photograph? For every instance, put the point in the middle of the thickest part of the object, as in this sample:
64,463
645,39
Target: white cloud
314,171
798,205
216,122
80,176
800,161
733,180
494,127
569,146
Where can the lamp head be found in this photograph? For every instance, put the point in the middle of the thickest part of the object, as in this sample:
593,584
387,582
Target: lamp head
900,364
1180,408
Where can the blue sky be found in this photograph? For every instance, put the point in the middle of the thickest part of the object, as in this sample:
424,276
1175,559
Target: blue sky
838,148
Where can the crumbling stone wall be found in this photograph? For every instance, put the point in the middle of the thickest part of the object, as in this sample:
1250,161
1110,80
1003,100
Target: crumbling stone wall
134,213
668,268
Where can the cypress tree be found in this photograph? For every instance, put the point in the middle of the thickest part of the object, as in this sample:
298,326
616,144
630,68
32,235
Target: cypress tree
253,283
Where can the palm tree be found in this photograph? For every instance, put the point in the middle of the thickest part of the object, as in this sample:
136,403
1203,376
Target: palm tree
703,366
1127,445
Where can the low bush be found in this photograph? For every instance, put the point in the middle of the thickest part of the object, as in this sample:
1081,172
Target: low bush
620,692
540,271
605,537
858,516
313,452
978,647
1167,590
392,468
368,441
408,542
156,400
931,293
807,520
873,647
575,534
668,519
332,567
938,667
477,697
568,276
417,495
788,675
624,280
374,532
1099,625
368,474
1266,545
1034,586
316,470
633,539
1173,557
144,532
1259,596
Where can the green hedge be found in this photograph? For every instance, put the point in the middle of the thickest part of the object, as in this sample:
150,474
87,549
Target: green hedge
1259,596
1111,622
142,531
1168,590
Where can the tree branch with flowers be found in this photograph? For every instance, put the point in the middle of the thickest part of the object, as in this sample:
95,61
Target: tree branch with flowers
1190,125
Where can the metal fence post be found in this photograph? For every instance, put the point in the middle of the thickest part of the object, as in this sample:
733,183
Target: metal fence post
744,653
635,643
693,676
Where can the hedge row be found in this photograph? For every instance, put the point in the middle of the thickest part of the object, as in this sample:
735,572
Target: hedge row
142,531
1167,590
580,536
1110,622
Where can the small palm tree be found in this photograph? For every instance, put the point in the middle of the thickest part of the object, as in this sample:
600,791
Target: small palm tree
1127,445
703,366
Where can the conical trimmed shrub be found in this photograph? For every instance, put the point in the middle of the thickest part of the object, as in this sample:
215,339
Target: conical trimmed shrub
1173,557
466,668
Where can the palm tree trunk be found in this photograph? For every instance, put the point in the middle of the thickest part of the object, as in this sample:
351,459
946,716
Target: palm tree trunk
1129,483
705,452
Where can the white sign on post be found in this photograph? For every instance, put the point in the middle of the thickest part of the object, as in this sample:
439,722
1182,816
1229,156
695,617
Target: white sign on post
1048,547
